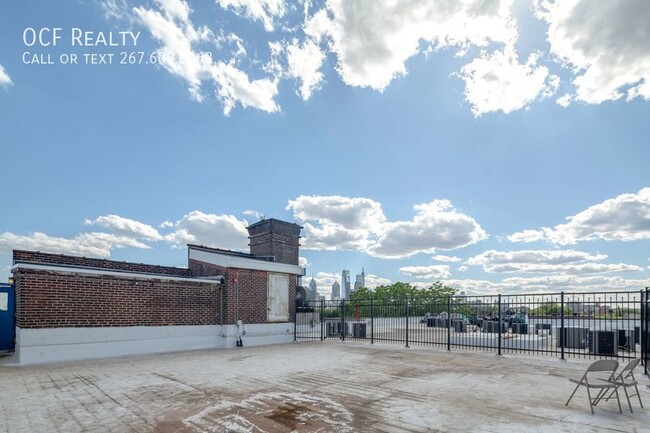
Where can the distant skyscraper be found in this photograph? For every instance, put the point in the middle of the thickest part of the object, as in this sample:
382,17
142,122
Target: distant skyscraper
345,284
360,280
312,295
336,290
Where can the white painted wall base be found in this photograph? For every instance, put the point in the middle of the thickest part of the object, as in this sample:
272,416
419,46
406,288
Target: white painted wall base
34,346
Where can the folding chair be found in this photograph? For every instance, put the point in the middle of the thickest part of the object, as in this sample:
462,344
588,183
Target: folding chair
605,370
626,379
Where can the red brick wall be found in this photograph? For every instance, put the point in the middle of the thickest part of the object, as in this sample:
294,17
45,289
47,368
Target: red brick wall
60,259
47,299
244,292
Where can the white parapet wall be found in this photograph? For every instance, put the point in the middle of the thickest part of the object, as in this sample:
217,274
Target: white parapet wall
43,345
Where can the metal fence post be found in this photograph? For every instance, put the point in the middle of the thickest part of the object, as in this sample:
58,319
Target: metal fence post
295,324
372,321
407,321
322,318
499,325
562,333
343,328
448,323
645,330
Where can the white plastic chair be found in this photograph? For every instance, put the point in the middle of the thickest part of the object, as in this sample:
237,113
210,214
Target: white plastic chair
599,375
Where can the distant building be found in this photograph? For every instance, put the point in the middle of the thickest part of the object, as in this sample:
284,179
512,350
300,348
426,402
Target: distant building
345,284
336,290
312,294
360,280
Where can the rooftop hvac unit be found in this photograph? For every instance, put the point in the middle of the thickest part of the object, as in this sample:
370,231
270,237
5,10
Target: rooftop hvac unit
520,328
334,329
359,330
493,327
603,342
626,339
574,338
460,326
539,326
301,297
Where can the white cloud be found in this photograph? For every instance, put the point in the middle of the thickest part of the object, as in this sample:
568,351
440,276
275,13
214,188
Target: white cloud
5,80
433,271
373,40
564,100
220,231
266,11
303,262
305,61
234,85
547,261
447,259
436,225
114,9
253,213
605,44
372,281
166,224
126,227
85,244
344,223
527,236
546,284
498,82
492,257
355,213
333,237
623,218
172,26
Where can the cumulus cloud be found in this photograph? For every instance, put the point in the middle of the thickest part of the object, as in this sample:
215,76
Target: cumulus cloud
436,225
85,244
448,259
546,284
220,231
5,80
333,237
547,261
373,40
433,271
604,43
526,236
126,227
266,11
305,61
498,82
623,218
181,41
343,223
354,213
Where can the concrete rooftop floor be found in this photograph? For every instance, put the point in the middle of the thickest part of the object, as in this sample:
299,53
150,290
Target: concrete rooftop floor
310,387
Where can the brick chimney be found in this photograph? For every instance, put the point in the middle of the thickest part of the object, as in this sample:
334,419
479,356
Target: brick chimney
275,238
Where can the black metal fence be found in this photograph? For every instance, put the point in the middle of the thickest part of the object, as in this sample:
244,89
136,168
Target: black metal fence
583,325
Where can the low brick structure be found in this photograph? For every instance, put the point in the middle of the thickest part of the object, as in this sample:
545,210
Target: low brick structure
66,305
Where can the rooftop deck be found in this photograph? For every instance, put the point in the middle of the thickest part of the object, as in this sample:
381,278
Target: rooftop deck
310,387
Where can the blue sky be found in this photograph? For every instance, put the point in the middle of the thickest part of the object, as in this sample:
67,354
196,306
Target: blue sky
495,146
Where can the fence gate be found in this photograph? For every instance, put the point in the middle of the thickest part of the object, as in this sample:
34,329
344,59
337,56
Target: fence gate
7,323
